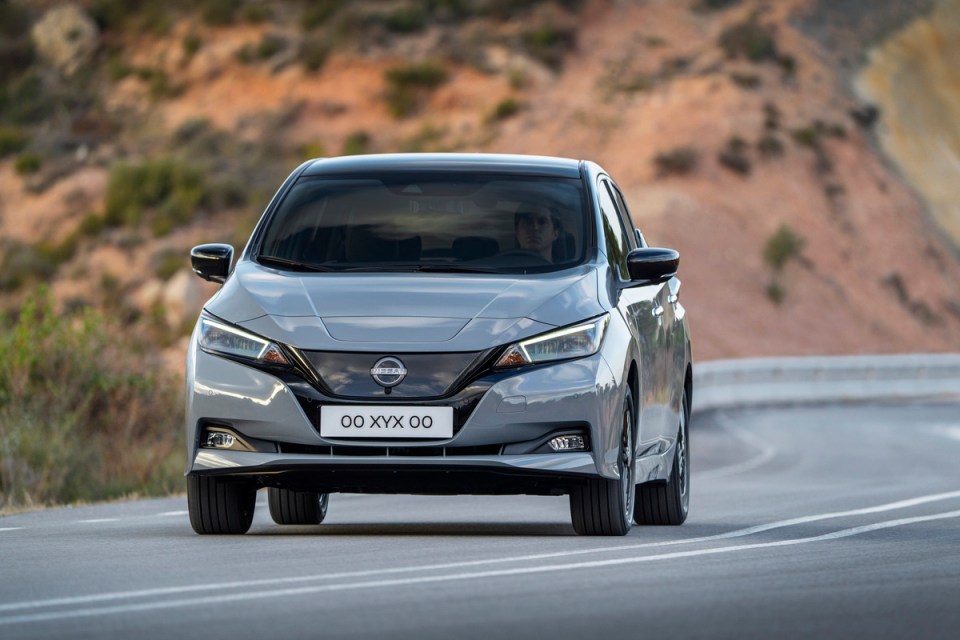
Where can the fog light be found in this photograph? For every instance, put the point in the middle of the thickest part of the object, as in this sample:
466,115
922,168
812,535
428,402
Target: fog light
567,443
220,440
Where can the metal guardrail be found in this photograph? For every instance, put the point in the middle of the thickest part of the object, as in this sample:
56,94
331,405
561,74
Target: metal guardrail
759,381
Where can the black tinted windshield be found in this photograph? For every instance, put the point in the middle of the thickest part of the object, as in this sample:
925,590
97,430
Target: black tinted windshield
429,222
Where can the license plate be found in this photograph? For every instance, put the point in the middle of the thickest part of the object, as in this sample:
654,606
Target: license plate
365,421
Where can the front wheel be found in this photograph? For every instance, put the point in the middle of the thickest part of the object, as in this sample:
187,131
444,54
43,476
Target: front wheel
297,507
605,507
667,503
220,505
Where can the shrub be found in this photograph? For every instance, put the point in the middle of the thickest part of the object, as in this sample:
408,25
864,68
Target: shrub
314,53
22,263
776,292
806,136
770,145
679,161
169,263
74,393
734,156
750,40
407,85
409,19
356,143
715,5
746,80
191,43
160,187
317,12
784,245
548,43
219,12
506,108
12,140
28,163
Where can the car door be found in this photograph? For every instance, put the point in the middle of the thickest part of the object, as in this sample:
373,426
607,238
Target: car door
643,309
670,356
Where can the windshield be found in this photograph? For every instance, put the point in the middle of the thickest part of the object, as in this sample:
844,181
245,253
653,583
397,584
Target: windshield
428,222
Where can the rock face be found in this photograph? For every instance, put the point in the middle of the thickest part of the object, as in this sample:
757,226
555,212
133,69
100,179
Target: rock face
67,37
914,79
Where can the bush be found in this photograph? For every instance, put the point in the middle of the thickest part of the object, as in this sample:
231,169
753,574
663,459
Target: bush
776,292
679,161
314,53
22,263
28,163
407,85
750,40
784,245
734,156
191,43
549,43
408,19
219,12
356,143
163,188
75,394
317,13
506,108
746,80
12,140
770,146
169,263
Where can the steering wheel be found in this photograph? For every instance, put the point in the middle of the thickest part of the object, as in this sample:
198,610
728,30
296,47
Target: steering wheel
523,253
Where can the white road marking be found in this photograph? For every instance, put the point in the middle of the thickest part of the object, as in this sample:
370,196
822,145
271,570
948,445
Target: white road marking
766,453
121,595
951,431
98,520
172,513
395,582
10,528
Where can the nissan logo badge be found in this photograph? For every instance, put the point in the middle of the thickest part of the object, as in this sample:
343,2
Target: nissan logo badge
388,372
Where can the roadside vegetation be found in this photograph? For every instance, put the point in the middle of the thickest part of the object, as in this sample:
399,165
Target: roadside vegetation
84,414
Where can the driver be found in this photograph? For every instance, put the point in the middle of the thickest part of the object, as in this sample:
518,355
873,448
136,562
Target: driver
536,228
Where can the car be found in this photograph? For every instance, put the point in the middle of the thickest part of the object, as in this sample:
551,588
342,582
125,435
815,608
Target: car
441,324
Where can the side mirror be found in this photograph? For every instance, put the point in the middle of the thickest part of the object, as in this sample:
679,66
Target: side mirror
652,266
212,261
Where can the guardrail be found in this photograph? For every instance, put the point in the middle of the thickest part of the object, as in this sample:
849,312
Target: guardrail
758,381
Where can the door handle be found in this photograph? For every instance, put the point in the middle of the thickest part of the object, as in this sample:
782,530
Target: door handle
657,311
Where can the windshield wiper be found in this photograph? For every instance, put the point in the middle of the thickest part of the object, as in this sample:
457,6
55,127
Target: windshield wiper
293,265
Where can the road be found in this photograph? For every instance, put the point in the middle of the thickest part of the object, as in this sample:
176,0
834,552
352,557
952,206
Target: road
830,521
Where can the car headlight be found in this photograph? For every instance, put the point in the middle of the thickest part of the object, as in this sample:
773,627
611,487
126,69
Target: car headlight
572,342
219,337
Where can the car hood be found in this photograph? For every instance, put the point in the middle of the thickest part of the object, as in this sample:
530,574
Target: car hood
403,311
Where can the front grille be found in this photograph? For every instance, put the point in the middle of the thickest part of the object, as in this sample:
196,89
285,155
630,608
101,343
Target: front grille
342,450
429,375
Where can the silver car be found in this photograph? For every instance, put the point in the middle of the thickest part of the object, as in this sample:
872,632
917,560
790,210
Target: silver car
441,324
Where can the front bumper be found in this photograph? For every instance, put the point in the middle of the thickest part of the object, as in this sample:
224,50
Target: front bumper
489,453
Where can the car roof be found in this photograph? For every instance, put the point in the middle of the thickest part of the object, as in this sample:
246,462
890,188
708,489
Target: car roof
458,162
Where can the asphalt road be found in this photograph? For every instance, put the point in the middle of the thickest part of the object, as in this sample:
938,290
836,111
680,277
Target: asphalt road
834,521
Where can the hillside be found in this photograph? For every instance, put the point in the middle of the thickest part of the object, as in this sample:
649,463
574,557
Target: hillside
731,125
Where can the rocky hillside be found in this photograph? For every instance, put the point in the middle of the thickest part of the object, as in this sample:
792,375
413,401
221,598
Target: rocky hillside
131,130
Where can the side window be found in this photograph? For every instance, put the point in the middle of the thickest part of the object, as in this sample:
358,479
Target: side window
624,214
615,235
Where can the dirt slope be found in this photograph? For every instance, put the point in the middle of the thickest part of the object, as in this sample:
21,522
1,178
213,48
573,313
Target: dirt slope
644,79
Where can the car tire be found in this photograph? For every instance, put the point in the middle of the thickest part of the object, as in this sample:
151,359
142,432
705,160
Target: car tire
667,503
220,506
297,507
604,507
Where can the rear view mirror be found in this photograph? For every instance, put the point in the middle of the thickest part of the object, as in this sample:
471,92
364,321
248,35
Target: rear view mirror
212,261
652,266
